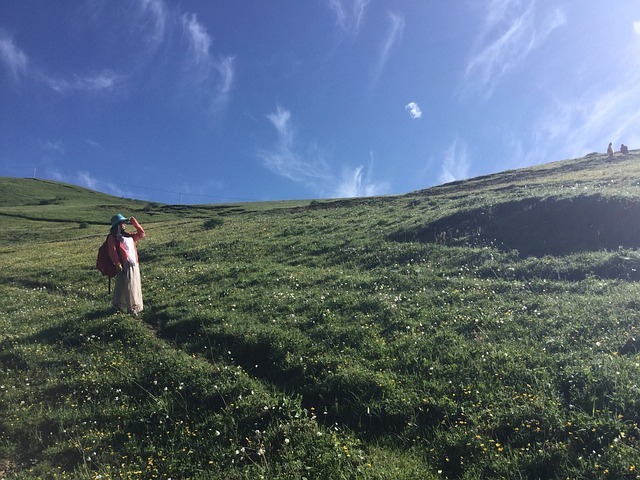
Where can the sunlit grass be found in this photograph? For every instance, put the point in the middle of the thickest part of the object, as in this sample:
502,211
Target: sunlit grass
300,341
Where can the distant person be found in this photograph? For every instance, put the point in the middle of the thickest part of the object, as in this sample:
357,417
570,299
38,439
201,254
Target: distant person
610,151
624,149
127,293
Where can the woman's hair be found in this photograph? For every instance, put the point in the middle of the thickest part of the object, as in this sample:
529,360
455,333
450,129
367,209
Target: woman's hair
115,229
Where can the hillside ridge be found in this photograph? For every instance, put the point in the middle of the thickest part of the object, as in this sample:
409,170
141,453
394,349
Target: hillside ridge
16,191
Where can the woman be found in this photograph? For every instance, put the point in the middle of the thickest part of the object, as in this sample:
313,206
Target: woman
127,293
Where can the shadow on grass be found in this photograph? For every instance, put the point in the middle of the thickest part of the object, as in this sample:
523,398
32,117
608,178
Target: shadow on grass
276,358
538,227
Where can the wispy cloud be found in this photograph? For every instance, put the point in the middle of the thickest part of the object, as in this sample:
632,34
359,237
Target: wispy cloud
636,27
455,165
393,36
285,160
511,32
357,182
54,146
105,80
13,58
154,15
226,70
199,39
87,180
214,75
588,122
414,110
349,14
18,64
311,168
583,113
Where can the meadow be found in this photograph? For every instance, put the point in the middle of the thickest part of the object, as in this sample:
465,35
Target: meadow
488,328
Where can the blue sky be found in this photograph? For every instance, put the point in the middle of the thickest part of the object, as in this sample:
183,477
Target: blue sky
220,101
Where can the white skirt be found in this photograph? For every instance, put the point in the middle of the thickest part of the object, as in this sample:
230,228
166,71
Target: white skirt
127,293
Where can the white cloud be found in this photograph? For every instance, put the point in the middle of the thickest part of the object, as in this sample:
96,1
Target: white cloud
456,163
509,35
414,110
636,27
14,58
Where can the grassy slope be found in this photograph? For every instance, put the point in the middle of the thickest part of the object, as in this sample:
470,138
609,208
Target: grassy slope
331,339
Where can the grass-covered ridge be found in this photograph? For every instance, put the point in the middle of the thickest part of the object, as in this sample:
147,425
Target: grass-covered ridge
461,331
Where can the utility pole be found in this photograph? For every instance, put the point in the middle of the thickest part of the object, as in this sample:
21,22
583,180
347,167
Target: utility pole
34,171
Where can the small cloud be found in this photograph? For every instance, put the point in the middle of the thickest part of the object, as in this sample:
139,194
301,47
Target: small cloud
356,182
155,11
351,184
414,110
636,27
349,13
285,160
281,120
53,146
86,180
226,70
15,60
456,164
199,39
106,80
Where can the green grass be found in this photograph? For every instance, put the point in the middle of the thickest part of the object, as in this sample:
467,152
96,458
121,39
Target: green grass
324,339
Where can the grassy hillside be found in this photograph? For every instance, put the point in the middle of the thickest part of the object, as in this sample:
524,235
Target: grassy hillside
479,329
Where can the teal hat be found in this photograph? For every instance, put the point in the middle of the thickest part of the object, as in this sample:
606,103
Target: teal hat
118,219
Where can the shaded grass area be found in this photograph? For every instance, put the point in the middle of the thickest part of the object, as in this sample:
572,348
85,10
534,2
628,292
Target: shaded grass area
539,227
